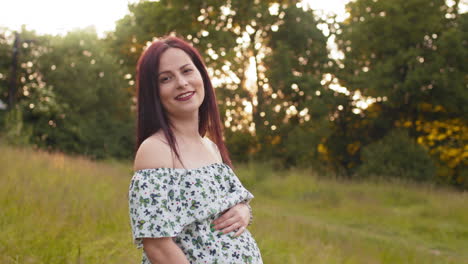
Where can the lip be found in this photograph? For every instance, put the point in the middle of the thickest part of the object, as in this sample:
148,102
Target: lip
184,96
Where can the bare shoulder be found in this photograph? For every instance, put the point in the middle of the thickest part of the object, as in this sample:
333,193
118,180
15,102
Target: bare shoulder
213,148
153,152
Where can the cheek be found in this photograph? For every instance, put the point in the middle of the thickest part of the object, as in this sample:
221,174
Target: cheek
197,80
197,76
201,88
164,94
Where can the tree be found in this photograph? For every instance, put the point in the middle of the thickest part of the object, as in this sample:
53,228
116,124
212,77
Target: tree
235,37
392,49
88,82
408,55
71,97
296,104
5,63
35,101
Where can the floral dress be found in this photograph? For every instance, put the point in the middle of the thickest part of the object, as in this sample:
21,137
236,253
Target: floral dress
182,203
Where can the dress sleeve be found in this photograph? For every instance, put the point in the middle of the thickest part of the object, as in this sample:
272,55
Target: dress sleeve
237,189
236,185
150,213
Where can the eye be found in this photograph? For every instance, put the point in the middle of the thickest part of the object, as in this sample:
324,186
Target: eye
164,79
187,70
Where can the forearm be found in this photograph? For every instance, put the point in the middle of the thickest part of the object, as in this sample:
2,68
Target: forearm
166,252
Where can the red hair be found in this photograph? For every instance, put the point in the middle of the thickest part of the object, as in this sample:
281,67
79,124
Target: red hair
151,116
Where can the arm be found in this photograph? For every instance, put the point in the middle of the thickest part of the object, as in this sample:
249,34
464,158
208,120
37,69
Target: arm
163,251
154,153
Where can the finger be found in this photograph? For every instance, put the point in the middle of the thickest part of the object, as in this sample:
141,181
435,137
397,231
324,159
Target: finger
240,231
223,217
231,228
226,223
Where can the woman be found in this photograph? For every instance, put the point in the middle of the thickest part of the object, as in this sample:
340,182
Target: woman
186,203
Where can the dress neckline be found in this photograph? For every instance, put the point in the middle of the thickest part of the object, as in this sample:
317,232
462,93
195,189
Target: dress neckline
183,169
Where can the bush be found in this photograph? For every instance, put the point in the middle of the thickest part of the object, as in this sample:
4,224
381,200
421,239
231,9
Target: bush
241,145
15,131
397,155
301,147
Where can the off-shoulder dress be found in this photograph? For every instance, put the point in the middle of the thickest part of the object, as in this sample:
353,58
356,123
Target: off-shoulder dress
182,203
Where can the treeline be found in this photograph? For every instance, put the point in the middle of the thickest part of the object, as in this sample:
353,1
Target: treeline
70,95
280,90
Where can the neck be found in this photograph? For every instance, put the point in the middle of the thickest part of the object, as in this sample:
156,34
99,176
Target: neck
186,128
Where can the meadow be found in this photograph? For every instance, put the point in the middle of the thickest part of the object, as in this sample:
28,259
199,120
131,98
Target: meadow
62,209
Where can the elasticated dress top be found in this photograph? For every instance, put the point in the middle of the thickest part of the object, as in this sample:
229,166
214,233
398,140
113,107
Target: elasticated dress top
182,203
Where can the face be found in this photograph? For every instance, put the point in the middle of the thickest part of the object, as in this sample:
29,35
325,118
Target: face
181,86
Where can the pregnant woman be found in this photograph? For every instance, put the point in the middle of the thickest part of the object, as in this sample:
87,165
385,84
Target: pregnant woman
186,203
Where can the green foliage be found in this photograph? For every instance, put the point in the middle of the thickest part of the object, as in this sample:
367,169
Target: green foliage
88,80
5,61
409,54
295,103
15,131
397,155
301,147
387,46
241,145
449,69
73,97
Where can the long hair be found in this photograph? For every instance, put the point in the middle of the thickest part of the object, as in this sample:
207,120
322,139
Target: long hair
151,115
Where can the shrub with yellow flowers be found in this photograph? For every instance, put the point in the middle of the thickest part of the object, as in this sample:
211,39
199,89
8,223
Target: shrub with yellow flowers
446,141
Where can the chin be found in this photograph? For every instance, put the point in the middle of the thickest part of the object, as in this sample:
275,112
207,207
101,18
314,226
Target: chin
185,112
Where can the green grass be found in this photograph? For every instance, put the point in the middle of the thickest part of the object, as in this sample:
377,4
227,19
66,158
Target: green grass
59,209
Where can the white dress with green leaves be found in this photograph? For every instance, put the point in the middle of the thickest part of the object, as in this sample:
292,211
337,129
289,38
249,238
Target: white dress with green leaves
182,203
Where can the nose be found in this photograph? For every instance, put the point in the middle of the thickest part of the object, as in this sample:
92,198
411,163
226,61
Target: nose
182,82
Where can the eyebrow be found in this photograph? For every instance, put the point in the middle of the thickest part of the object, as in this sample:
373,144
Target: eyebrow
179,69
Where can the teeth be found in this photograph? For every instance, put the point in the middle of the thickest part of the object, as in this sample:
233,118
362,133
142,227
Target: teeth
184,95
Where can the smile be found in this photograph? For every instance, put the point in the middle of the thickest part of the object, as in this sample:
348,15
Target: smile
184,96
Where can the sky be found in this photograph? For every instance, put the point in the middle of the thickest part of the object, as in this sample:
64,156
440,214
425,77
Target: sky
60,16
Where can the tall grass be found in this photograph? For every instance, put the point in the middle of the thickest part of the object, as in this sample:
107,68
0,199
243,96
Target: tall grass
303,218
59,209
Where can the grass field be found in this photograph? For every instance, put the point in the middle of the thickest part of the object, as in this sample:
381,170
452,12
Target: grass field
59,209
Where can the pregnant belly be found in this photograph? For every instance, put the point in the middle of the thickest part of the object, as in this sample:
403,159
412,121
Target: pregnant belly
202,245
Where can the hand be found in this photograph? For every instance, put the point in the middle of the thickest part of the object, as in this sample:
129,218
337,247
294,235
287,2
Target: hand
237,217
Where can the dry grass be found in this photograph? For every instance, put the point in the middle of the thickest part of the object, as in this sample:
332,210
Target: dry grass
60,209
